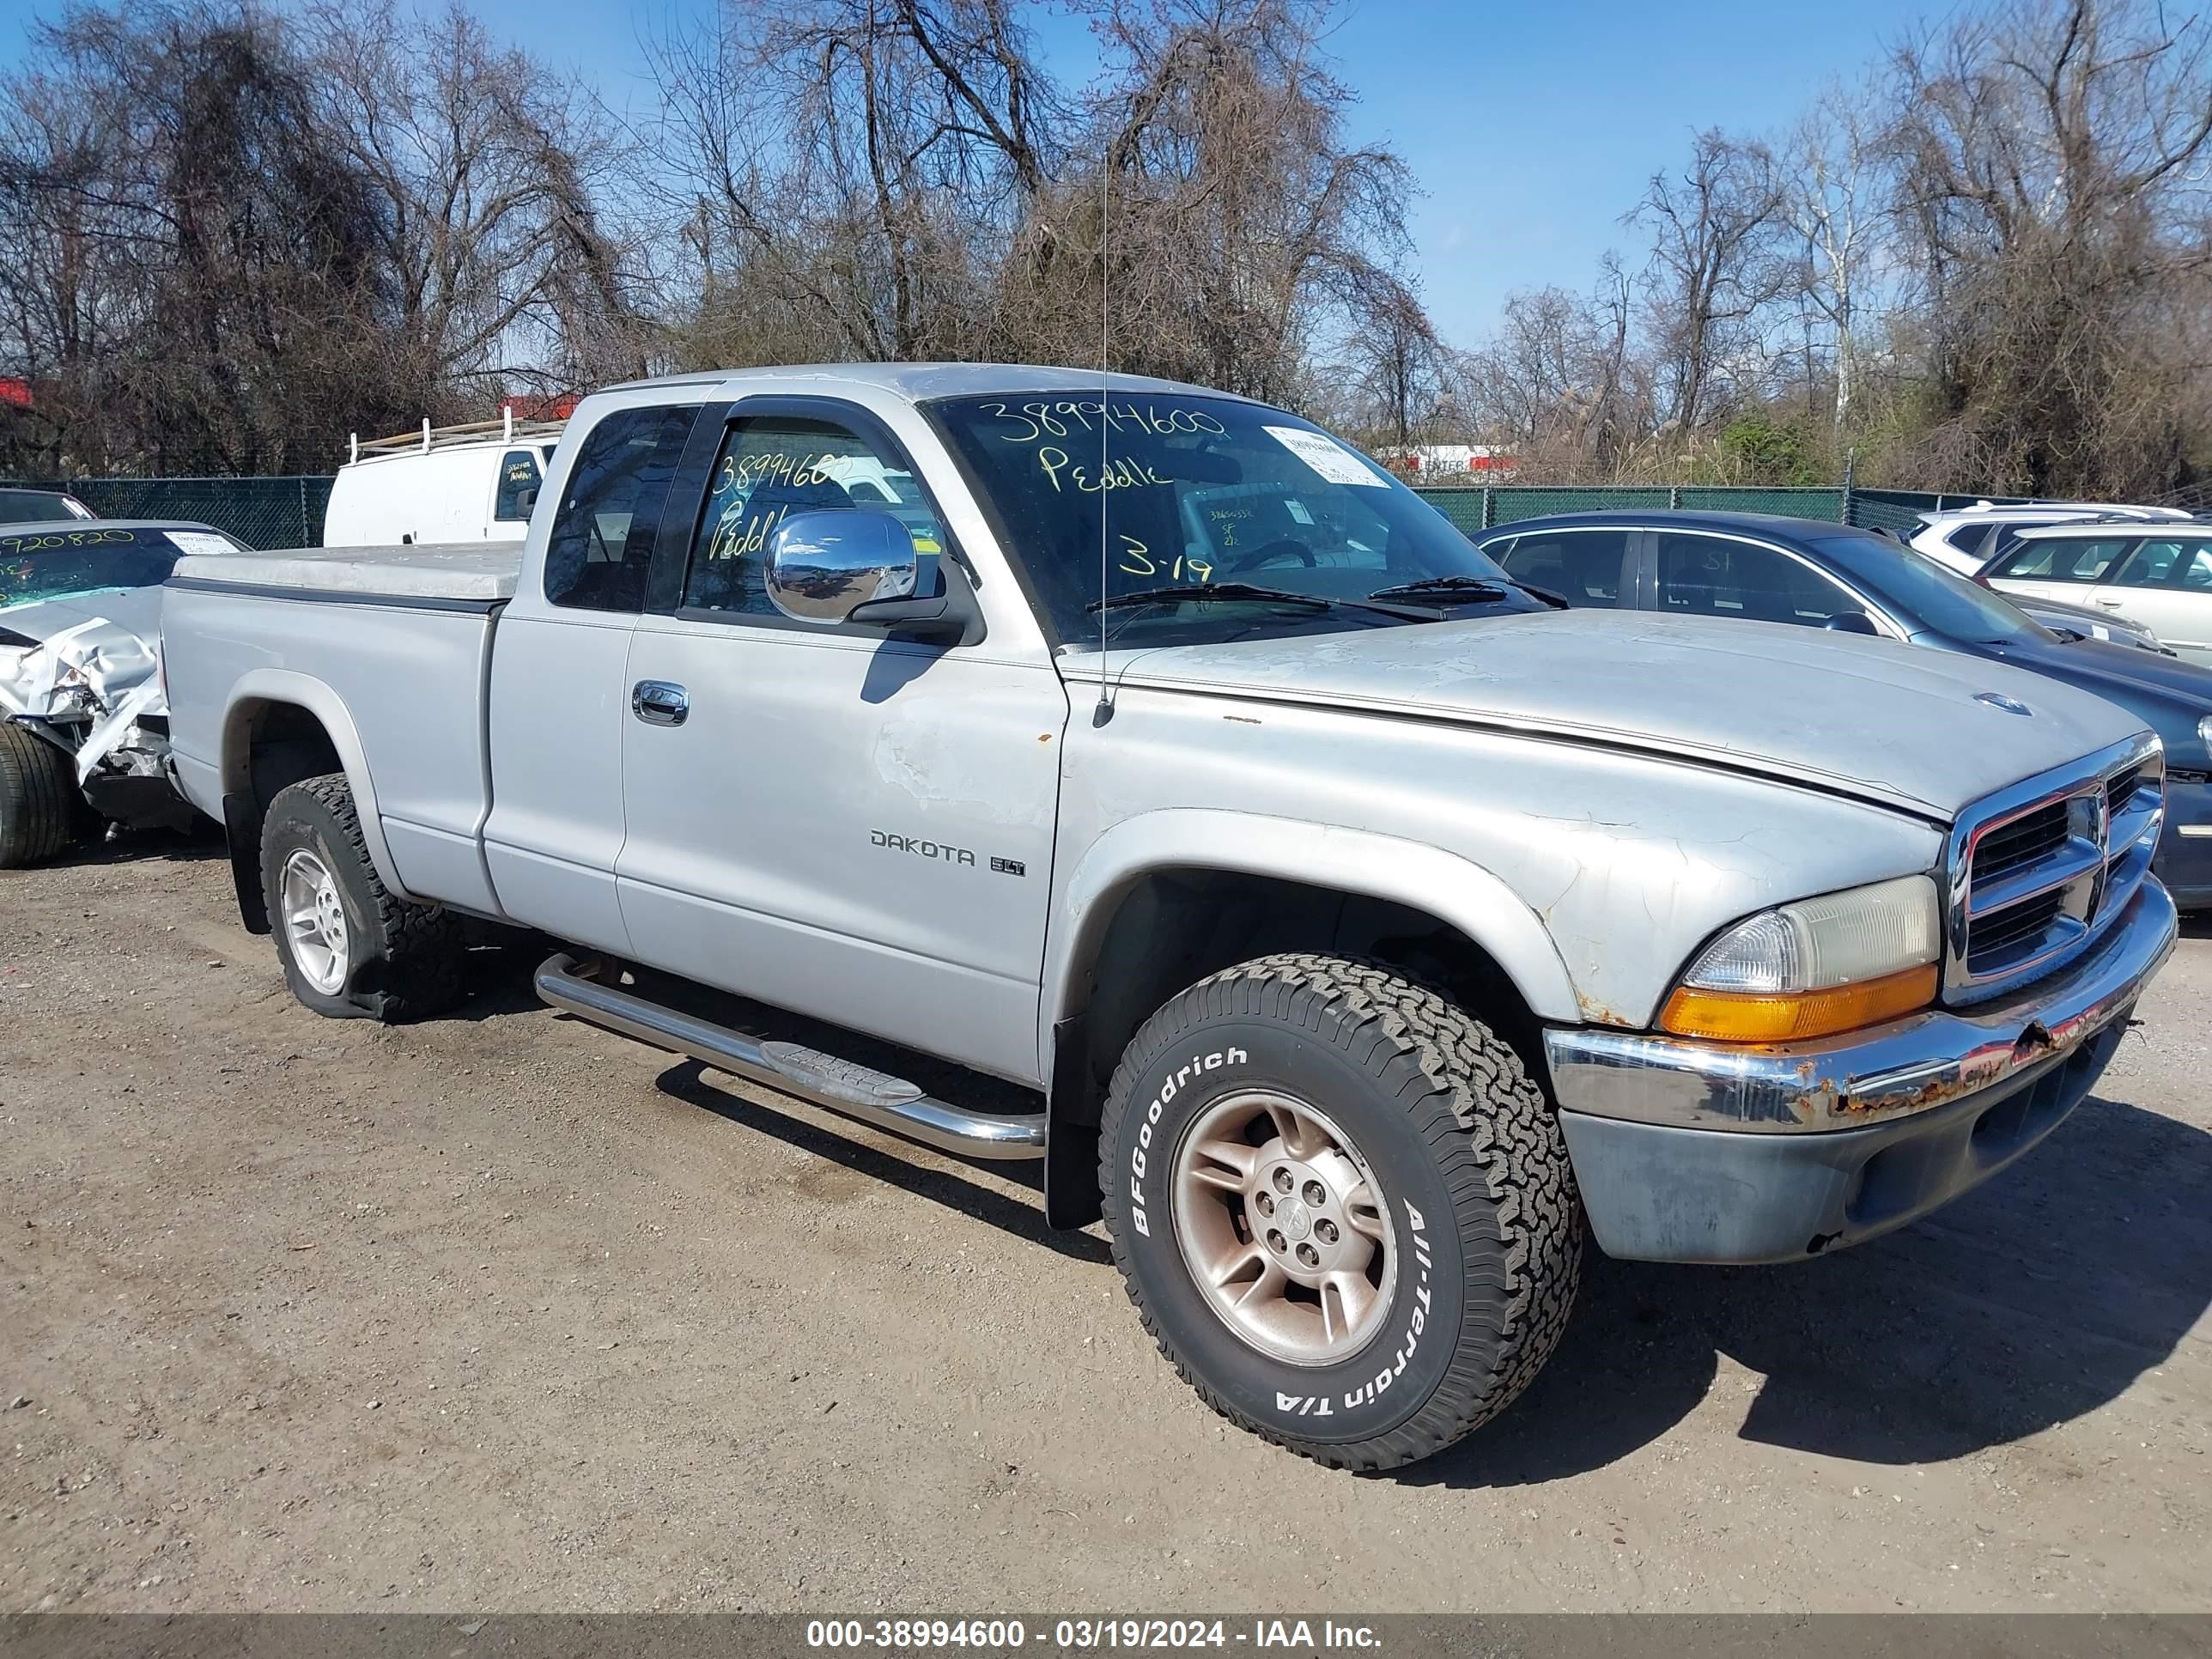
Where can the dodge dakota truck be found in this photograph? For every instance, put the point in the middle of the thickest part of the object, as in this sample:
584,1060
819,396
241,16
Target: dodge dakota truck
1359,929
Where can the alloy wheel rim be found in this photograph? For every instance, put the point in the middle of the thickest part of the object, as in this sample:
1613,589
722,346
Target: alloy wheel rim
313,915
1284,1228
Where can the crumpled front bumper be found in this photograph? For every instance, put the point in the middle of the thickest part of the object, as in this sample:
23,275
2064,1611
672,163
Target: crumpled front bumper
1702,1152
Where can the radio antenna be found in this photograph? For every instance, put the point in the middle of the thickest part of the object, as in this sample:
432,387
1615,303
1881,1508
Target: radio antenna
1104,711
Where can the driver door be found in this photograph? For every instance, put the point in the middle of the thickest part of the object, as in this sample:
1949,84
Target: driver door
838,820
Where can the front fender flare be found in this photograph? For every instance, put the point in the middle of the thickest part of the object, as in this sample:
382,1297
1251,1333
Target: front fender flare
1454,889
288,685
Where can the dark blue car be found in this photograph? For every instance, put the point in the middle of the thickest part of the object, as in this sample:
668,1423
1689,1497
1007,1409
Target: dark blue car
1807,575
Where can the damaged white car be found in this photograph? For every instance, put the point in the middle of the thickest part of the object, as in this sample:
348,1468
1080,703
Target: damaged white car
84,730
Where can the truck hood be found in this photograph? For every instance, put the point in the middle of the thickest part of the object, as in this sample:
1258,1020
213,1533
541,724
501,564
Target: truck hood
1896,724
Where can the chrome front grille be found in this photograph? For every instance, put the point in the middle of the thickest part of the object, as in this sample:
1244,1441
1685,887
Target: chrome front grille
2004,941
2038,870
2025,840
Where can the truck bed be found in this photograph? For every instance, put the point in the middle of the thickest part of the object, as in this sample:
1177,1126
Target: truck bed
469,571
390,648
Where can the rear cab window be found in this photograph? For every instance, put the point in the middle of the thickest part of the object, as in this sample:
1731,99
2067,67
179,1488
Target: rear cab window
599,552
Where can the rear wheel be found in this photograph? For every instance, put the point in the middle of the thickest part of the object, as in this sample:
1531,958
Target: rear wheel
42,811
1342,1208
349,948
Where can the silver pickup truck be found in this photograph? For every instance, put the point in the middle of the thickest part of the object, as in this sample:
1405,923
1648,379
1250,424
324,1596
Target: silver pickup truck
1366,926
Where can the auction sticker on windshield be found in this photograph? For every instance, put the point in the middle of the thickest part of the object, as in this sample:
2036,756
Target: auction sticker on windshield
1335,464
199,541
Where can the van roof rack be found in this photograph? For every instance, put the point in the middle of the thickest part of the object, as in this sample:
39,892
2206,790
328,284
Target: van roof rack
506,429
2111,520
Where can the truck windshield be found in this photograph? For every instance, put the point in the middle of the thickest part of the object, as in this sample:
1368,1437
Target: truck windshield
38,565
1196,491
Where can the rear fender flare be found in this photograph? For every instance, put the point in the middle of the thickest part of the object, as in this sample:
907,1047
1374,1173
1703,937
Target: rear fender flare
287,685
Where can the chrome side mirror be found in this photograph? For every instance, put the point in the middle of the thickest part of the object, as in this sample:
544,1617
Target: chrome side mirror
822,564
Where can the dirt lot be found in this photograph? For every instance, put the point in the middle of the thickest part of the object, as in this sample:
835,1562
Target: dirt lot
503,1312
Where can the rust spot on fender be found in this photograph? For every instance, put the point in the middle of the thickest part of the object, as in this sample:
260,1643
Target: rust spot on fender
1599,1014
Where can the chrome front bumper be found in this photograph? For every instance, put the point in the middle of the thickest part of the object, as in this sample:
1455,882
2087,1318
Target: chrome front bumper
1695,1151
1909,1066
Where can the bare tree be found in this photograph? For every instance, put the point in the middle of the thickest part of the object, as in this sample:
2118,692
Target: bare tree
2050,175
1714,272
236,236
482,162
1395,359
865,160
1836,200
210,247
1563,381
1243,228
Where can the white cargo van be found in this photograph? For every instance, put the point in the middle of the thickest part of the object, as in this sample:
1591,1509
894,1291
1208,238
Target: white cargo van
441,485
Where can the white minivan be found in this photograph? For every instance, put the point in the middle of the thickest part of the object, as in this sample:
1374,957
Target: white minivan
441,485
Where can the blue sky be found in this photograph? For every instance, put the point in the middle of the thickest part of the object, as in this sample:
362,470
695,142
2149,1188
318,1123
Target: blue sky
1531,128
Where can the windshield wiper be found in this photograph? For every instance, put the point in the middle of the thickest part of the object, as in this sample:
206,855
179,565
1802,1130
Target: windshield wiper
1464,590
1177,593
1450,588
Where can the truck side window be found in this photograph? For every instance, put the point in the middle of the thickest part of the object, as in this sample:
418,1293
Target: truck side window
774,465
601,545
518,487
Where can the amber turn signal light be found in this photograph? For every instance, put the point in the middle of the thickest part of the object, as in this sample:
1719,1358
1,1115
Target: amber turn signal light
1791,1015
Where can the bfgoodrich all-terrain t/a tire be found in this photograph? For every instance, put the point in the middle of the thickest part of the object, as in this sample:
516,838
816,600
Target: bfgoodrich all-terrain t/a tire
349,948
1342,1208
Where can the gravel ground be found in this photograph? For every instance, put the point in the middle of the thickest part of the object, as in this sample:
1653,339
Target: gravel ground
502,1312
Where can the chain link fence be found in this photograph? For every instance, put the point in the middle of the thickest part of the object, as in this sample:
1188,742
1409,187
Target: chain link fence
263,512
1478,508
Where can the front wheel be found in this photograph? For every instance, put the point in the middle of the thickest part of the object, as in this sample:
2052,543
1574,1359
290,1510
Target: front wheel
1340,1205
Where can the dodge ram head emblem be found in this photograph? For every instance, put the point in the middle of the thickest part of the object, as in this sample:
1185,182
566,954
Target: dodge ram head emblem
2010,705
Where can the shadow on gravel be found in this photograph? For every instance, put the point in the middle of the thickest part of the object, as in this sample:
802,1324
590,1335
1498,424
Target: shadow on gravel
1024,1219
2029,1302
121,846
501,965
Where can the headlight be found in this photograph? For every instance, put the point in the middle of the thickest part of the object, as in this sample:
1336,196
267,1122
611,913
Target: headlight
2205,732
1815,967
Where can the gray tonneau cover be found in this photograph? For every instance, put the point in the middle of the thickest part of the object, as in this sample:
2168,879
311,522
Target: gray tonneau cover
482,572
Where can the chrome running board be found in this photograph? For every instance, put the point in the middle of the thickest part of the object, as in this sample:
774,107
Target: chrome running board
872,1097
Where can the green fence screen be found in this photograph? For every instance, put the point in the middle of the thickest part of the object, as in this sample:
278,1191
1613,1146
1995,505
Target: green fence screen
1483,506
263,512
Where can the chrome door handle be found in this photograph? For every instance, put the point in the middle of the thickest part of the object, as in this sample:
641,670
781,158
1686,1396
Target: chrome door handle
660,702
2112,604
